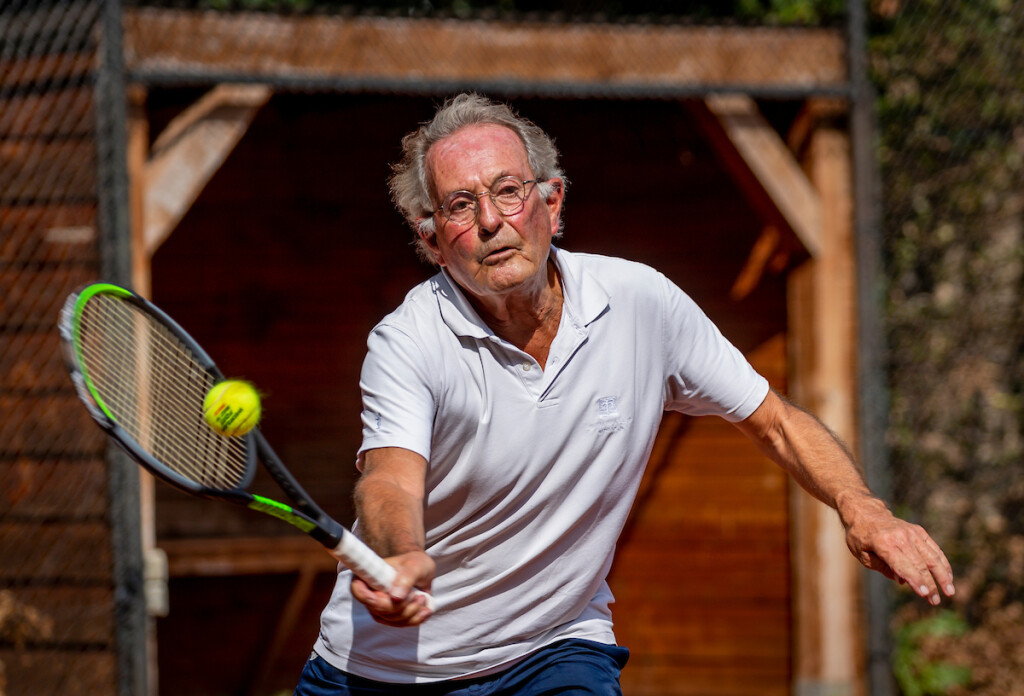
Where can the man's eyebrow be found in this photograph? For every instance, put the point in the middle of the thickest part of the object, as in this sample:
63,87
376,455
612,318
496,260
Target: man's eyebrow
502,174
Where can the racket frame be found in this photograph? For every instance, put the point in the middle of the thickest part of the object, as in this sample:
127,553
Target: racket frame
307,516
70,331
345,546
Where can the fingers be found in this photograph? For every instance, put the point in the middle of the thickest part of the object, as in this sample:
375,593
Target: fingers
926,569
394,608
400,605
906,553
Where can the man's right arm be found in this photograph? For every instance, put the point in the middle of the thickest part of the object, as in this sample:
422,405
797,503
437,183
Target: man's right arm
389,503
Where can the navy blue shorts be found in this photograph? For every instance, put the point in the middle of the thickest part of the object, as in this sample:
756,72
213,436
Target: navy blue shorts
569,668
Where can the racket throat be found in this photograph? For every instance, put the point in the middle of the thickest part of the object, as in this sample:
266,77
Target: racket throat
282,512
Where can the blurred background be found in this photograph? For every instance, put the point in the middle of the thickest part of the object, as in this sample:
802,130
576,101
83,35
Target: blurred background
838,184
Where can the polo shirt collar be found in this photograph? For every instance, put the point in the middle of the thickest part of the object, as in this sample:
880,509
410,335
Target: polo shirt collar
583,291
456,311
583,294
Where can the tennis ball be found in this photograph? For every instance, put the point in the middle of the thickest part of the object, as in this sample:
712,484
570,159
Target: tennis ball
232,407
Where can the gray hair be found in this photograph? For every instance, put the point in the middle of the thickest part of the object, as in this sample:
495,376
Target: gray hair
410,183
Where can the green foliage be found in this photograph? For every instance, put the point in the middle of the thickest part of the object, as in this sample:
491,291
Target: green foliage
787,12
792,12
915,673
951,146
951,149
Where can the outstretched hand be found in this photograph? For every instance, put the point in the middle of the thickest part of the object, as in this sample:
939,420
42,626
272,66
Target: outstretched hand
398,606
897,549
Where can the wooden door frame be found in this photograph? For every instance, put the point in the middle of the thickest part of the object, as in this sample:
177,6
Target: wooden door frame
801,190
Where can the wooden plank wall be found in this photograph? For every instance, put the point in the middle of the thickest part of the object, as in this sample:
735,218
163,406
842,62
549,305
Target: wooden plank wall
701,577
702,573
301,207
56,572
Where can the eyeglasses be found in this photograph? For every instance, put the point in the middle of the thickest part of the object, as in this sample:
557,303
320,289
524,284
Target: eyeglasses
507,193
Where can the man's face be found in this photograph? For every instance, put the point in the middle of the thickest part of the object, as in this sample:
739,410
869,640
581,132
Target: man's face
494,255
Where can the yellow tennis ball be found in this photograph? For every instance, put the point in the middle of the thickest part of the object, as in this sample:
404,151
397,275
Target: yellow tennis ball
232,407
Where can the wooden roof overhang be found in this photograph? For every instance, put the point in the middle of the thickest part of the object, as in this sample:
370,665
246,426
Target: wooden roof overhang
245,56
440,55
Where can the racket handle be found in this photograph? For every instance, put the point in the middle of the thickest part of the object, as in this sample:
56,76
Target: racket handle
364,562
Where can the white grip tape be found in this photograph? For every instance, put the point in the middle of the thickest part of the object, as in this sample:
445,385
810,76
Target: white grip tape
364,562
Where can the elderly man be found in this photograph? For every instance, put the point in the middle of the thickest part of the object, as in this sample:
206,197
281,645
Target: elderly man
509,408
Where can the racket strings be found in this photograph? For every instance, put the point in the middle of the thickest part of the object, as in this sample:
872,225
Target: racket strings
154,387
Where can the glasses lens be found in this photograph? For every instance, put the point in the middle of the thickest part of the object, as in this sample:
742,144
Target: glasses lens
460,207
508,194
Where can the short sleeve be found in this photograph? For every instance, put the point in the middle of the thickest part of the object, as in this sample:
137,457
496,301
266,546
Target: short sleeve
398,402
706,374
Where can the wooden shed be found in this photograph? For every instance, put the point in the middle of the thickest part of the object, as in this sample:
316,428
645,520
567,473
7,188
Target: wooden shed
258,149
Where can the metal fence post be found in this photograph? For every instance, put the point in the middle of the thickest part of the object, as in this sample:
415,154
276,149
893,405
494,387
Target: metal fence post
115,251
872,401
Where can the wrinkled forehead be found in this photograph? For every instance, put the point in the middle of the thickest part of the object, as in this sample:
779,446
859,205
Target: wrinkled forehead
473,157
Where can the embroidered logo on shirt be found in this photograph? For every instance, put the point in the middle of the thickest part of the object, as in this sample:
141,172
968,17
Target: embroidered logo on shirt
608,418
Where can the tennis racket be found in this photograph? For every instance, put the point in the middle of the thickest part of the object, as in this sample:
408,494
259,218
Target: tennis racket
143,379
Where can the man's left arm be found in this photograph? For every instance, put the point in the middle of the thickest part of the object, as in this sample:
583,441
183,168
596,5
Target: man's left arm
815,458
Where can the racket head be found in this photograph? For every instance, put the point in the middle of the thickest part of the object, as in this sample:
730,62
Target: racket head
143,379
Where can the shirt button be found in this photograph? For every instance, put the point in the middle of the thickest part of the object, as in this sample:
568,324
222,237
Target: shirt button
526,367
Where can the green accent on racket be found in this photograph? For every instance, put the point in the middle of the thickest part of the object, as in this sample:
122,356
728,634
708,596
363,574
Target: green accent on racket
281,512
87,294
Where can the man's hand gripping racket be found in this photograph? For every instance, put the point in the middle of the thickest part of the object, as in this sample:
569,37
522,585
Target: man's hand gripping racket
143,379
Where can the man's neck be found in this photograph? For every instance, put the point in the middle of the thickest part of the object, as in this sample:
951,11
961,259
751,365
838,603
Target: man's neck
531,322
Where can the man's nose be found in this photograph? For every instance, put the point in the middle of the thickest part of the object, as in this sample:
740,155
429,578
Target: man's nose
489,218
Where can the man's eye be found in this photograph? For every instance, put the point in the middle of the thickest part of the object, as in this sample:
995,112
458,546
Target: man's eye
460,204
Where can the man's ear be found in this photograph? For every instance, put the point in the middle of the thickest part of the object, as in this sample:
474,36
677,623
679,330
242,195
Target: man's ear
426,230
556,194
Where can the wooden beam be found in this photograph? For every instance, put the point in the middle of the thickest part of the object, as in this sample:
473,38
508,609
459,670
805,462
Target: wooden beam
768,254
823,340
138,156
189,152
397,52
154,577
813,113
762,166
245,556
298,598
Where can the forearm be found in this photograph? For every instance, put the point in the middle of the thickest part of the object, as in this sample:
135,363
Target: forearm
815,458
820,463
807,450
389,501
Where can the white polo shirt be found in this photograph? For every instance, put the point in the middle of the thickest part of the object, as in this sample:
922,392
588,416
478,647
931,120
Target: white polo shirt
532,471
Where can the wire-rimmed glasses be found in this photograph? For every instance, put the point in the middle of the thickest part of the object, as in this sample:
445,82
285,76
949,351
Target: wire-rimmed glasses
507,193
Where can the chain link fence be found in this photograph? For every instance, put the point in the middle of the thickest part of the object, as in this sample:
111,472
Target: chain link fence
950,107
951,126
63,598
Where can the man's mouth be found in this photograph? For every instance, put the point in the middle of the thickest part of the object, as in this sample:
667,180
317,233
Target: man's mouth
498,254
